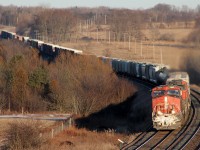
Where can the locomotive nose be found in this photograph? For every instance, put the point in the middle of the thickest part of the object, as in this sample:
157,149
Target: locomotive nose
165,105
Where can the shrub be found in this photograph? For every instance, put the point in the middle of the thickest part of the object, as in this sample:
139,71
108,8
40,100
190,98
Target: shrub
23,135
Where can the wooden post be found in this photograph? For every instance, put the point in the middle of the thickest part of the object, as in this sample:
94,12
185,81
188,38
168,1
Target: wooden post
70,122
52,133
62,126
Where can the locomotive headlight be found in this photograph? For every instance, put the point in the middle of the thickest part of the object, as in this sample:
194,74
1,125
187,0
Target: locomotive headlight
159,112
173,112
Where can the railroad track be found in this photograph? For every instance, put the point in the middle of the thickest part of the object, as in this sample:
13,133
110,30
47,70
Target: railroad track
186,137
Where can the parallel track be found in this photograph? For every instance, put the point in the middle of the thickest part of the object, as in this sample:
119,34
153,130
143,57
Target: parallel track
186,137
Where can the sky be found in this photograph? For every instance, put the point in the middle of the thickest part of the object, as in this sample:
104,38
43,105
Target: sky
131,4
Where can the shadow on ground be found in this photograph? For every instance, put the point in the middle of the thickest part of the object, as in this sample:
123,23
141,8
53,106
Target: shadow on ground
132,115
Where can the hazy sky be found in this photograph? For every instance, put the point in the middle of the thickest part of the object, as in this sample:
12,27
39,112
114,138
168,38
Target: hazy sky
132,4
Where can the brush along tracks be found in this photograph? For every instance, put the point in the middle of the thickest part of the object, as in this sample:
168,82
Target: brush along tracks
186,137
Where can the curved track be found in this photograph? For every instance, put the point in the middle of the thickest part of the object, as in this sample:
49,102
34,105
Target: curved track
186,137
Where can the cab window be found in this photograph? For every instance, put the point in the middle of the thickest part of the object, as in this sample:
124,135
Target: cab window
158,93
173,92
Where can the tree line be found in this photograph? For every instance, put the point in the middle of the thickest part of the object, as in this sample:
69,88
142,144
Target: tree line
59,24
76,84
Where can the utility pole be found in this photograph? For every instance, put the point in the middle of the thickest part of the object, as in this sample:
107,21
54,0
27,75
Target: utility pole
161,56
80,27
105,36
90,23
141,49
153,52
105,19
129,42
36,34
114,37
124,40
97,35
85,24
109,37
135,45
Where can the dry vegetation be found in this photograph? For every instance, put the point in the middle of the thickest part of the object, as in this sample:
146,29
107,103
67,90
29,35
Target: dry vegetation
23,135
76,139
79,84
84,85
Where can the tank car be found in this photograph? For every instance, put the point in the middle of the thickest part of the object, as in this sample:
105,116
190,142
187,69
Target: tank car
171,102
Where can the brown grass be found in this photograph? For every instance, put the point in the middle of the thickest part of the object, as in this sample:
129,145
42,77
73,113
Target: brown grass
76,139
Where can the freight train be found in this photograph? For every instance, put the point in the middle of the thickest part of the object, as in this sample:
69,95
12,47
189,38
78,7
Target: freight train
45,48
171,102
156,73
